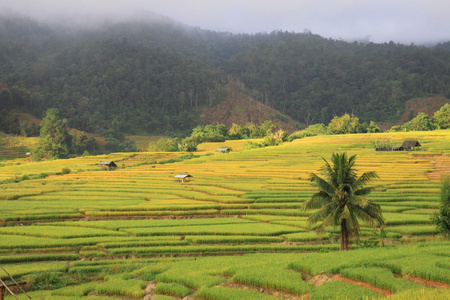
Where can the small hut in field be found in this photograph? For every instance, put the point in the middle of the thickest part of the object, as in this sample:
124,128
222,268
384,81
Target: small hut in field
223,150
108,164
410,145
183,177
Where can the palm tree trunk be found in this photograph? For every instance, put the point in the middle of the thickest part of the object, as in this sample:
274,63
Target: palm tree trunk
344,236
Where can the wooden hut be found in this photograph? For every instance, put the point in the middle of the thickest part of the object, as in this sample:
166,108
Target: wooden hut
410,145
183,177
108,164
223,150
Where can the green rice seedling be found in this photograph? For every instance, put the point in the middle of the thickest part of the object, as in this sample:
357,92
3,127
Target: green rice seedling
213,239
149,272
162,297
56,232
272,277
118,224
120,287
223,249
305,237
224,293
427,269
151,213
414,230
282,205
341,290
275,212
138,243
266,218
75,290
300,222
422,211
33,295
414,204
37,257
17,270
251,228
173,289
92,254
406,219
380,277
428,294
191,279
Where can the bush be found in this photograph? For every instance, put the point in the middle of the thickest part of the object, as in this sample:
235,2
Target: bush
442,116
65,171
442,217
420,123
47,281
345,124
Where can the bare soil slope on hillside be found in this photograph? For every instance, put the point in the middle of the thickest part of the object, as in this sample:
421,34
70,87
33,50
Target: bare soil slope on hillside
242,109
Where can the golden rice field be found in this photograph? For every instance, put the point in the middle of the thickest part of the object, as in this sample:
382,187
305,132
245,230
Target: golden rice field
236,230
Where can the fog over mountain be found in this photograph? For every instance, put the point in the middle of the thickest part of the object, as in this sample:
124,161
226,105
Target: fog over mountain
401,21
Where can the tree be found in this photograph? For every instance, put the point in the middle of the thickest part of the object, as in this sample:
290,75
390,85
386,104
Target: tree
421,122
442,116
165,145
341,198
345,124
442,218
54,138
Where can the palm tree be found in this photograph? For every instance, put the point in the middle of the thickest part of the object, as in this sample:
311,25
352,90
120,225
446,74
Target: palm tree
341,198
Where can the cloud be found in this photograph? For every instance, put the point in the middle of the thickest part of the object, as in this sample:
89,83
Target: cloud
404,21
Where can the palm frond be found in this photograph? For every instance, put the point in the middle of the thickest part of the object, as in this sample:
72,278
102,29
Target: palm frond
322,213
321,183
364,179
317,200
365,191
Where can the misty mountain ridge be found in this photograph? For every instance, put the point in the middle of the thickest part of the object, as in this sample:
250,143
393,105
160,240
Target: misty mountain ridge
153,75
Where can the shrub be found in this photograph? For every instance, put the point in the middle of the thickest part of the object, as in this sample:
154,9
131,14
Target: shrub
47,280
65,171
442,217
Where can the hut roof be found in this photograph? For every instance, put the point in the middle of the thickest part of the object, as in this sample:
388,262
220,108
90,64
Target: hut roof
108,163
410,144
223,149
182,176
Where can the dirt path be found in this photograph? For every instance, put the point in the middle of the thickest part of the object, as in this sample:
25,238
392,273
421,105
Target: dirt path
364,284
277,294
427,283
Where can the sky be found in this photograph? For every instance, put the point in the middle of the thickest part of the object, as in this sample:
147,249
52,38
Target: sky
378,21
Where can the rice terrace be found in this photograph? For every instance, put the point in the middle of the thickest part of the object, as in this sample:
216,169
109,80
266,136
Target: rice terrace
235,230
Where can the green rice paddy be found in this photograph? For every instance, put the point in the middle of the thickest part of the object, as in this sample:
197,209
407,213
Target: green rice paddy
236,230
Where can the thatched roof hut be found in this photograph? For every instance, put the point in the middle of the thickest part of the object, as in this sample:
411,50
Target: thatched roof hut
223,150
183,177
108,164
410,144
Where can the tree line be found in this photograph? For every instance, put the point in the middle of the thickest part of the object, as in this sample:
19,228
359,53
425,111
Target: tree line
150,78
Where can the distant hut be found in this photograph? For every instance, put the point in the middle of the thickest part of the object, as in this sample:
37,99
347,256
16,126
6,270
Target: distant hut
410,145
398,148
223,150
108,164
28,154
183,177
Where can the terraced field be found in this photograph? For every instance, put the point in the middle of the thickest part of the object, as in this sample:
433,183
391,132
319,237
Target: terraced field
234,231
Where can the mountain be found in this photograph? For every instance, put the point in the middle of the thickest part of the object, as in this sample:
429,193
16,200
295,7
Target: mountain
241,109
156,76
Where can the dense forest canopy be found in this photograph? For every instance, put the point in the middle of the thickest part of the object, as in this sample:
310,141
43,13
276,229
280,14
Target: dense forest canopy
149,77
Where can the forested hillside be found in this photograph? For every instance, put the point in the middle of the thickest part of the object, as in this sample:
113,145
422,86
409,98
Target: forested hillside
155,77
